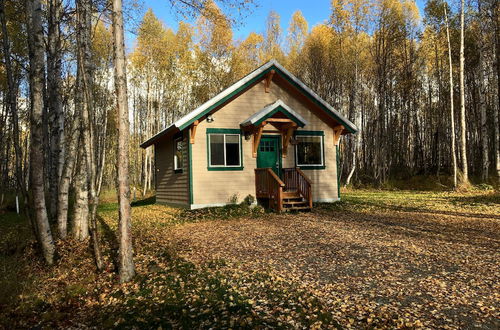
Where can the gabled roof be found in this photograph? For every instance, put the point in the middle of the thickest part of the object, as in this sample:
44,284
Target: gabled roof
240,86
269,110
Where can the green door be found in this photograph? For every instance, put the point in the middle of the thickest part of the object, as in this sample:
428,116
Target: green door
268,154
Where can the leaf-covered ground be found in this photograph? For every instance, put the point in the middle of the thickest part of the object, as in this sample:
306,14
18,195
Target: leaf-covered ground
378,259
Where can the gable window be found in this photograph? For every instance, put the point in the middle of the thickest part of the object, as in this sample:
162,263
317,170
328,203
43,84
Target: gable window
178,154
224,149
309,150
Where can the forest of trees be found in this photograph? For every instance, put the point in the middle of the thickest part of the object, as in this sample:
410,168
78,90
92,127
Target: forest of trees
423,87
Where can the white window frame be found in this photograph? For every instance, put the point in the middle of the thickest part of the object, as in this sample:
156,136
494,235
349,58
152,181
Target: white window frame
225,160
322,151
176,168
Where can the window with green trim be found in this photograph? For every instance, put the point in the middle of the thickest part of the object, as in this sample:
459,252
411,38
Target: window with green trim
178,154
224,151
309,151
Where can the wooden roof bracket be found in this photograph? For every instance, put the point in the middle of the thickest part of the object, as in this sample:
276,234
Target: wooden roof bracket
269,77
256,139
286,138
337,132
192,131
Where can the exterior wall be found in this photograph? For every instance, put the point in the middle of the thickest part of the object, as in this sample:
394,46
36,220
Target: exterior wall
217,187
171,188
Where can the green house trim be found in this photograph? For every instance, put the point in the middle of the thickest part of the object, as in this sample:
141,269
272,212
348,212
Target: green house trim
190,152
312,133
224,131
242,88
285,112
338,170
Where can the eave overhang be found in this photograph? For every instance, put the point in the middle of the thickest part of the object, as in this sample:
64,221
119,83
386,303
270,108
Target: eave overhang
239,87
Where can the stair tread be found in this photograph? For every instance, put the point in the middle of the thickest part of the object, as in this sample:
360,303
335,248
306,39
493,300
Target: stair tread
295,202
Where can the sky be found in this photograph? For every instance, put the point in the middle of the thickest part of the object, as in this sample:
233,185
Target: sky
314,11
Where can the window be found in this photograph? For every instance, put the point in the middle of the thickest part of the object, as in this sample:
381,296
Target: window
309,152
267,146
178,154
224,149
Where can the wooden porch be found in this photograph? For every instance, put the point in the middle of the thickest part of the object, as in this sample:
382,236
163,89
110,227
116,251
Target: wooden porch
293,193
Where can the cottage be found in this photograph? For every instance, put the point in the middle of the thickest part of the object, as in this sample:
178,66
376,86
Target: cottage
268,135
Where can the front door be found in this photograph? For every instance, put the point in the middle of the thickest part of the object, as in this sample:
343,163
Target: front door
268,154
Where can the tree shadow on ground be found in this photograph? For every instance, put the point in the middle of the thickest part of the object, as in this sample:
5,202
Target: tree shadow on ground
110,236
421,209
489,199
145,201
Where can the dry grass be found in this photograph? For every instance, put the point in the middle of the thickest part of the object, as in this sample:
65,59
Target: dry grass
377,259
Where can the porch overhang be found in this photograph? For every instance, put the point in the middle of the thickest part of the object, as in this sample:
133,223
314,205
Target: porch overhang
277,114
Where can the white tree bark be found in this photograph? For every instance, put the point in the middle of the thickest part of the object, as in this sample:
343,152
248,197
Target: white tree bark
64,183
125,263
463,123
37,73
55,106
452,110
81,210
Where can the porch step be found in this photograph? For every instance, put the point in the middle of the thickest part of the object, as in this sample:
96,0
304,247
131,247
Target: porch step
295,203
291,194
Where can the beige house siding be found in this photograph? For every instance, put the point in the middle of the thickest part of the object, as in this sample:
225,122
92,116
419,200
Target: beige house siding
217,187
171,188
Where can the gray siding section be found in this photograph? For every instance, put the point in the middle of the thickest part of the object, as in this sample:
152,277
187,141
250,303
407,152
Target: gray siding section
171,188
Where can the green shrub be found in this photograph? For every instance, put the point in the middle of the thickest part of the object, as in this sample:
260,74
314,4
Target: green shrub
249,200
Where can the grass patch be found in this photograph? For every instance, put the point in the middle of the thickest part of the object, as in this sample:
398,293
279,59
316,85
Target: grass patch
473,202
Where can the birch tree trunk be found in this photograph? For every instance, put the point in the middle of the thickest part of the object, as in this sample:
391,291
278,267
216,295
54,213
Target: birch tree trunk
125,263
55,106
463,124
64,183
12,103
85,67
37,185
496,112
452,110
81,210
483,93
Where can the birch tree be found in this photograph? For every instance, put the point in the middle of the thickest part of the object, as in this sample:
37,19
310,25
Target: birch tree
37,184
452,110
54,100
463,123
125,263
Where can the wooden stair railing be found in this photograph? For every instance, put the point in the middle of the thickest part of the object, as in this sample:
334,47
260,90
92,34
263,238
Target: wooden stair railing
296,180
269,185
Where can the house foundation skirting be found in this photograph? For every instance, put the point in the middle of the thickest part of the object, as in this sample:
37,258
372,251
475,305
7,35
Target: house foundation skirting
326,200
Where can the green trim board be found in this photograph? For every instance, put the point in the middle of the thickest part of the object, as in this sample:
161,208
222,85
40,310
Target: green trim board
268,111
312,133
315,100
243,87
190,156
337,160
285,112
224,131
255,80
240,86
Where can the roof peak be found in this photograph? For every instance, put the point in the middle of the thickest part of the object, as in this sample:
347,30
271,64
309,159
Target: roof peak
240,86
